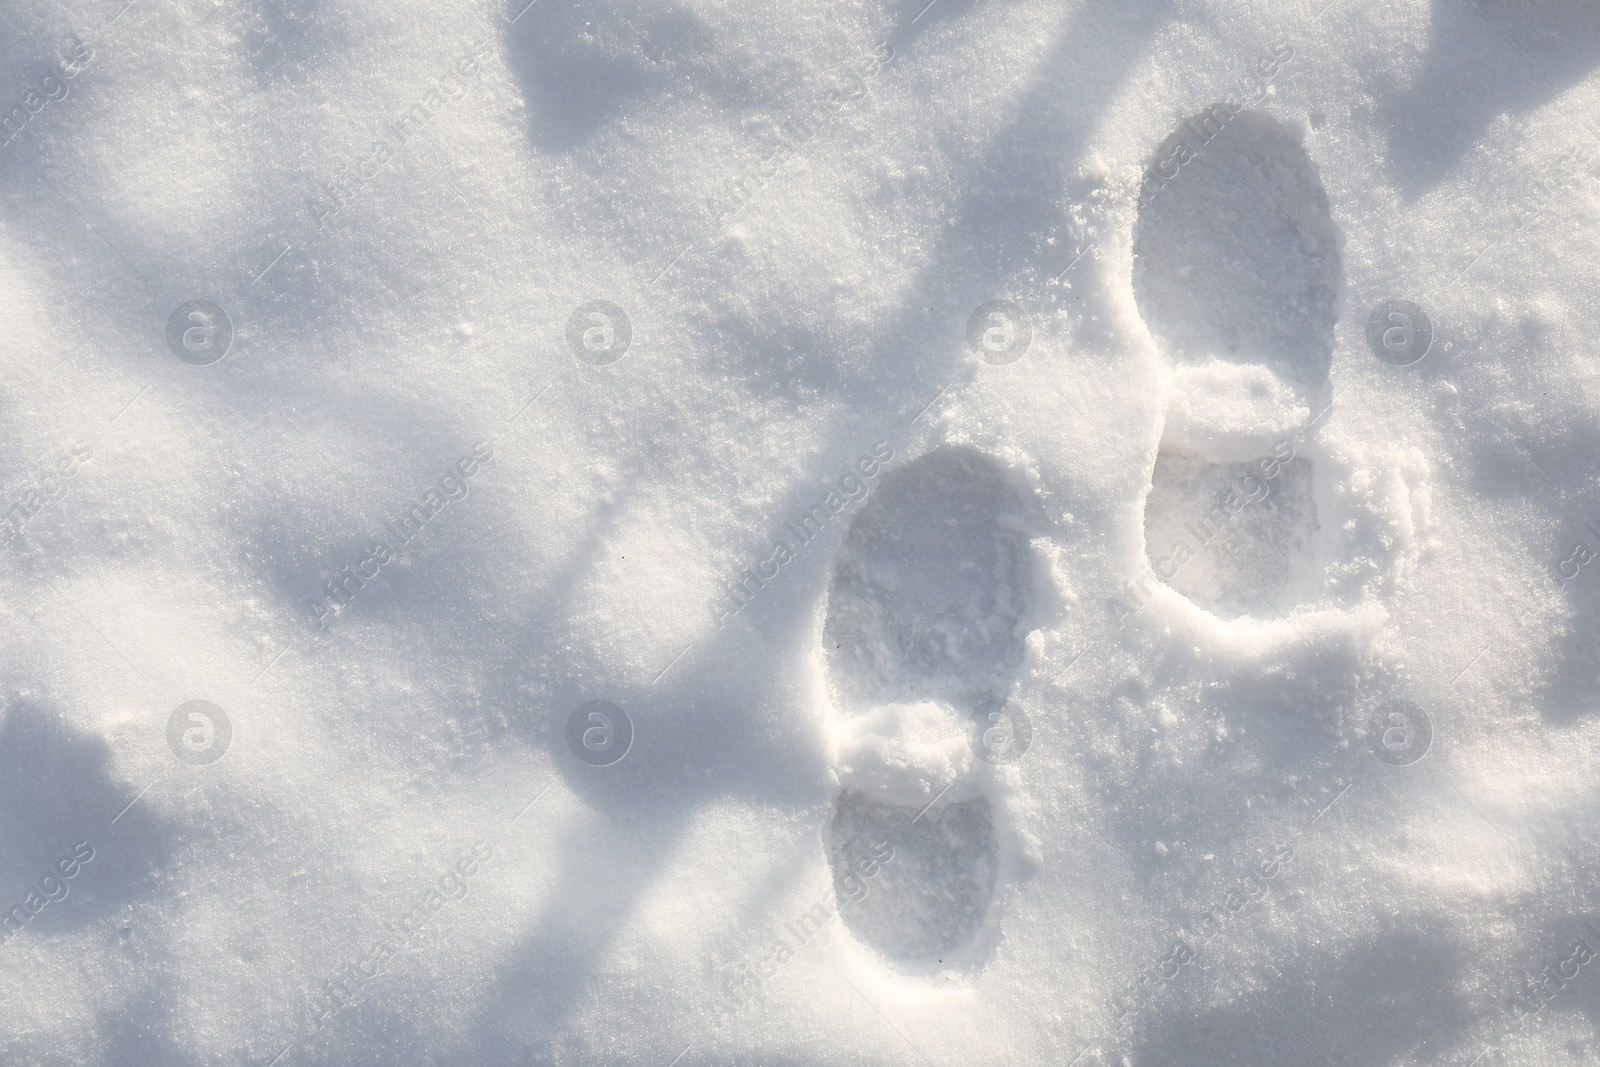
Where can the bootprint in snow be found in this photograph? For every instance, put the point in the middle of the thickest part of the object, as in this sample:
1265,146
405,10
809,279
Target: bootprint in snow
1236,273
927,610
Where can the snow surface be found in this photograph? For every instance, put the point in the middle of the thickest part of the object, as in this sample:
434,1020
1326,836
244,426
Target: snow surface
697,532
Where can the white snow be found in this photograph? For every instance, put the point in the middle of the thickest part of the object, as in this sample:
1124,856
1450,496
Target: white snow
704,533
